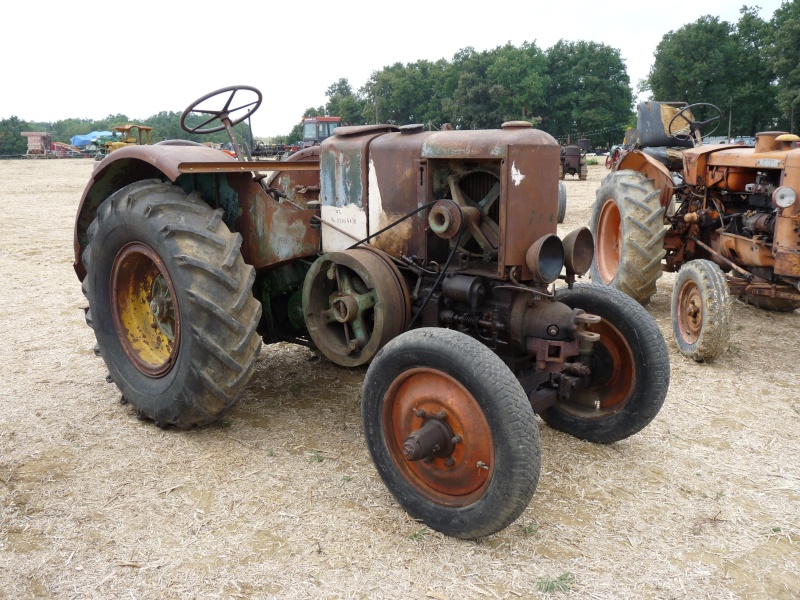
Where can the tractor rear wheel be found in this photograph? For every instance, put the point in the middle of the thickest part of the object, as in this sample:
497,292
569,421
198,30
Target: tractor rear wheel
451,432
629,369
170,303
628,227
701,312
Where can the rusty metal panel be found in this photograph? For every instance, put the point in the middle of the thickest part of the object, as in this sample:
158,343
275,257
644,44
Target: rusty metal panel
398,184
344,171
787,263
529,202
273,232
243,167
745,251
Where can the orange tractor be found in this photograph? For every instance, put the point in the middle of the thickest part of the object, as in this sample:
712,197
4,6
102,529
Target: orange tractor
725,217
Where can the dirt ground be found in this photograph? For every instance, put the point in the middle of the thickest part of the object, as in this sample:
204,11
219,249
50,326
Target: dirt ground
280,499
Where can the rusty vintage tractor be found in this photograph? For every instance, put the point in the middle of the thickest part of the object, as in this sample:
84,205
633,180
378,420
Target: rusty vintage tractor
725,217
432,256
573,162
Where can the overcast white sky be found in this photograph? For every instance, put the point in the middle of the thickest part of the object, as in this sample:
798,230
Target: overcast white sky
88,60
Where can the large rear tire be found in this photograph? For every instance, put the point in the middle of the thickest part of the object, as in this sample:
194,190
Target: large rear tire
701,312
629,366
458,398
170,303
562,201
628,227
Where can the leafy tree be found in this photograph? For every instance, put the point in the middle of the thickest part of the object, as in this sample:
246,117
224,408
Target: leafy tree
471,104
404,94
11,141
785,59
484,89
752,91
723,64
343,103
518,80
695,63
589,92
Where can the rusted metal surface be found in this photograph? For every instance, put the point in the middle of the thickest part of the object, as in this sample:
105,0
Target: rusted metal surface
344,184
578,251
718,258
136,163
273,232
741,287
529,208
224,166
398,184
447,477
353,305
612,381
787,263
545,258
745,251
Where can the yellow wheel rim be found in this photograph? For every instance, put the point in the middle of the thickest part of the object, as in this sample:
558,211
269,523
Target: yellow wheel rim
145,309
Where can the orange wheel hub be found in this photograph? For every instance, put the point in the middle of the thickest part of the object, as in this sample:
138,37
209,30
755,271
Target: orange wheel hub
453,475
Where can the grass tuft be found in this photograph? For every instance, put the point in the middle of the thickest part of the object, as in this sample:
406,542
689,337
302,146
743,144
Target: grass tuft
559,584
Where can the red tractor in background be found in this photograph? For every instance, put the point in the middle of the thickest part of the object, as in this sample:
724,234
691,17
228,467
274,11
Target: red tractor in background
725,217
429,256
318,129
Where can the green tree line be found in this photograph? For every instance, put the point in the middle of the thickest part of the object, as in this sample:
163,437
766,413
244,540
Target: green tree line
573,89
750,69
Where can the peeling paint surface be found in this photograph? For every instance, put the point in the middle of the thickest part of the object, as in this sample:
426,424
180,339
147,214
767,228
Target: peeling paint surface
286,239
516,176
375,203
349,218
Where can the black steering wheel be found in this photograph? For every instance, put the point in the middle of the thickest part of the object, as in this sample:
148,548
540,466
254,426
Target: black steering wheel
694,125
226,115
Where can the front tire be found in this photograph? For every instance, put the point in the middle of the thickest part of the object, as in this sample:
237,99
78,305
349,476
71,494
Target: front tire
630,370
628,227
447,384
701,312
170,303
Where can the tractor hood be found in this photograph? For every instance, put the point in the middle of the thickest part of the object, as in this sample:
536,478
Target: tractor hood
374,177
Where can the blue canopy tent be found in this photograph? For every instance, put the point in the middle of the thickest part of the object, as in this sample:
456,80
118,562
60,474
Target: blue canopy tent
79,141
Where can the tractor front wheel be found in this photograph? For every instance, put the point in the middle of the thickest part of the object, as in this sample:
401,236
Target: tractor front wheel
170,303
701,312
451,432
629,369
628,227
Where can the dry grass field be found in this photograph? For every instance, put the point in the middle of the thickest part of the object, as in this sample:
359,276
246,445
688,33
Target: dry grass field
280,499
